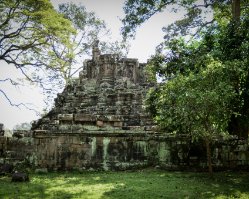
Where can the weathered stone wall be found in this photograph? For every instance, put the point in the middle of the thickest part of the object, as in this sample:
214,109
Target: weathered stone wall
120,151
14,150
182,153
98,151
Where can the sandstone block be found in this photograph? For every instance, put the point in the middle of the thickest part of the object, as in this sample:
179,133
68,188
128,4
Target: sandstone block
100,123
118,124
19,177
65,117
83,117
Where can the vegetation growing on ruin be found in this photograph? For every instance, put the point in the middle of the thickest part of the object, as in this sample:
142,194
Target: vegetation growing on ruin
203,66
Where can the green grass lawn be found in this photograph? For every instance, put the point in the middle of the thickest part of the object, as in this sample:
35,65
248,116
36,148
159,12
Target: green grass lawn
140,184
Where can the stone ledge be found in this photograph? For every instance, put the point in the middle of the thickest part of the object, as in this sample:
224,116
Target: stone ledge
43,133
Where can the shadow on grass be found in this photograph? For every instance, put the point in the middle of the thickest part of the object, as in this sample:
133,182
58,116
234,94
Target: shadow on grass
183,185
140,184
56,185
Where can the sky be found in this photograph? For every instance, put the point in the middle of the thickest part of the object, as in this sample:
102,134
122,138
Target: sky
148,36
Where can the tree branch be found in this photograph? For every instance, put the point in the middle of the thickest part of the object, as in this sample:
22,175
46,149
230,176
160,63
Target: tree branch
11,11
17,32
18,105
10,80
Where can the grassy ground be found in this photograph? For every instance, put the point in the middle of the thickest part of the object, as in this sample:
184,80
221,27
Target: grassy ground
151,184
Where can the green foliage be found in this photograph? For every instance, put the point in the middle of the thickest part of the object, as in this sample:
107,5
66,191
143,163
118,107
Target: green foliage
47,46
137,12
228,45
29,29
198,104
89,29
131,185
205,83
179,58
198,15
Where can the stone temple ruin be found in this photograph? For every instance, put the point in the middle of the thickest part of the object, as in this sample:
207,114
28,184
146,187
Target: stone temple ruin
98,122
107,96
96,115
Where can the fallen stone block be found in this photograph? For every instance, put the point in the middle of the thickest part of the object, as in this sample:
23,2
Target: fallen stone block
6,168
20,177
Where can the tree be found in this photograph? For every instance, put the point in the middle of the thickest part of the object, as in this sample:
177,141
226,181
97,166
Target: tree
198,15
199,105
137,12
89,29
224,42
28,28
205,85
224,38
22,126
48,46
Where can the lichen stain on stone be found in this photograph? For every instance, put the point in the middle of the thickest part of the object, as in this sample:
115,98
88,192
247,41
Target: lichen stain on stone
164,153
106,142
93,146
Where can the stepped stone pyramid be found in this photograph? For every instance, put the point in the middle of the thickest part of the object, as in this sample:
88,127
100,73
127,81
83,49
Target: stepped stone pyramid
98,121
107,96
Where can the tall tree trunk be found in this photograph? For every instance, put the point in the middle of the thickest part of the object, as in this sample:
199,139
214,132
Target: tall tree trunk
236,9
209,160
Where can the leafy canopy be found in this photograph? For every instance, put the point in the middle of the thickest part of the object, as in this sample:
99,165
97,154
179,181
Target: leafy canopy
203,65
89,29
199,103
226,43
197,15
28,30
28,27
